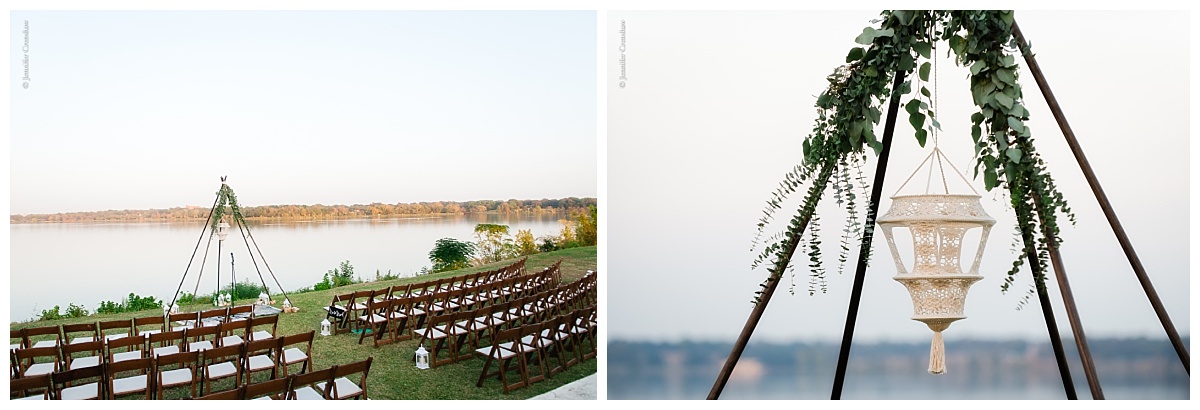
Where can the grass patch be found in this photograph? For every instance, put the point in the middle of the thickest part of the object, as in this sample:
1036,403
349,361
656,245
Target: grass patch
393,374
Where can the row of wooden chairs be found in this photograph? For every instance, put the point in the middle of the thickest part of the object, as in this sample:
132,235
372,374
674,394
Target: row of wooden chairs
528,349
392,317
450,333
345,307
43,336
153,372
333,383
33,361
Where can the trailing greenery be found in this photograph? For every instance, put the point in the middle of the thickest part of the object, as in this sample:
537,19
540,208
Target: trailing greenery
849,109
450,254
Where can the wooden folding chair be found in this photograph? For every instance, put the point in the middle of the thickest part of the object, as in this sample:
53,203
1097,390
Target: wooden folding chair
222,362
201,338
436,334
273,389
529,346
38,387
212,317
403,311
342,387
149,325
75,384
182,321
79,332
502,352
239,313
294,349
82,354
584,328
35,336
237,393
167,343
36,361
373,320
122,327
553,339
337,312
260,355
258,326
19,335
231,333
302,387
126,348
358,306
177,369
129,377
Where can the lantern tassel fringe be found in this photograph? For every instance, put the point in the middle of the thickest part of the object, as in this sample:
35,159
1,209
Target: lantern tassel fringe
937,354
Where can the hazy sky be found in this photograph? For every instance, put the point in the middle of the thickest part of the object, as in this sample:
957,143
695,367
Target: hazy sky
713,113
135,110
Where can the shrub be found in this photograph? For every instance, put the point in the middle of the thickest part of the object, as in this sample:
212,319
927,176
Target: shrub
340,276
493,243
549,244
74,310
50,314
585,228
450,254
388,276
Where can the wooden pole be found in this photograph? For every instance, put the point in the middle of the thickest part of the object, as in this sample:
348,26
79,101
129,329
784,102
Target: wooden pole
1105,205
1060,356
864,251
776,274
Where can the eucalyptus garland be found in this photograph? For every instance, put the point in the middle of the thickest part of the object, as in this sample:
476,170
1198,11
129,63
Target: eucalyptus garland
226,197
849,109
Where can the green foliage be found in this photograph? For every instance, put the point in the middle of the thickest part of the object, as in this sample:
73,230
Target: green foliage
244,290
133,303
526,245
74,311
451,254
548,244
848,110
493,243
388,276
585,230
50,314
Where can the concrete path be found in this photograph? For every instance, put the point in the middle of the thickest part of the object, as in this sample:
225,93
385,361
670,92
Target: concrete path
582,389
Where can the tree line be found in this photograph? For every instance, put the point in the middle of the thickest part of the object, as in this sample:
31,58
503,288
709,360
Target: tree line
316,212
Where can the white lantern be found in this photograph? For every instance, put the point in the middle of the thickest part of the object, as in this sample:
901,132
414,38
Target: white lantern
287,303
422,358
222,230
937,284
174,308
263,299
325,327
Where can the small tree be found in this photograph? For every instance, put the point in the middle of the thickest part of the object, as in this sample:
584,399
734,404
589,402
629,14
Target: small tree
525,242
585,228
450,254
494,243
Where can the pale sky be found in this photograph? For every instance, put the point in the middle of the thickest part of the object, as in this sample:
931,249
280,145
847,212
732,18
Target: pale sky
136,110
713,114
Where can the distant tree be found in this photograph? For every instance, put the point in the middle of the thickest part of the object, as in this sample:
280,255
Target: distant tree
450,254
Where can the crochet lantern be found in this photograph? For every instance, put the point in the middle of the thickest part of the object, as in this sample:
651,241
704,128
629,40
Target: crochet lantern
936,282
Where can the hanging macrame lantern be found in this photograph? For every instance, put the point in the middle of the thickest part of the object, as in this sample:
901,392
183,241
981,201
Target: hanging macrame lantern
937,283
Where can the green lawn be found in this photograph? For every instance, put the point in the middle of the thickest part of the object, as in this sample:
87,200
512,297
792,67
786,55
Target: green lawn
393,374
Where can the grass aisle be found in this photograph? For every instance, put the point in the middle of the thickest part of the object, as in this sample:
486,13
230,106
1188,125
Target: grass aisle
393,375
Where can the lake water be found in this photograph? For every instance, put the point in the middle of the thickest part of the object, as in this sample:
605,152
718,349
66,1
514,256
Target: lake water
86,263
